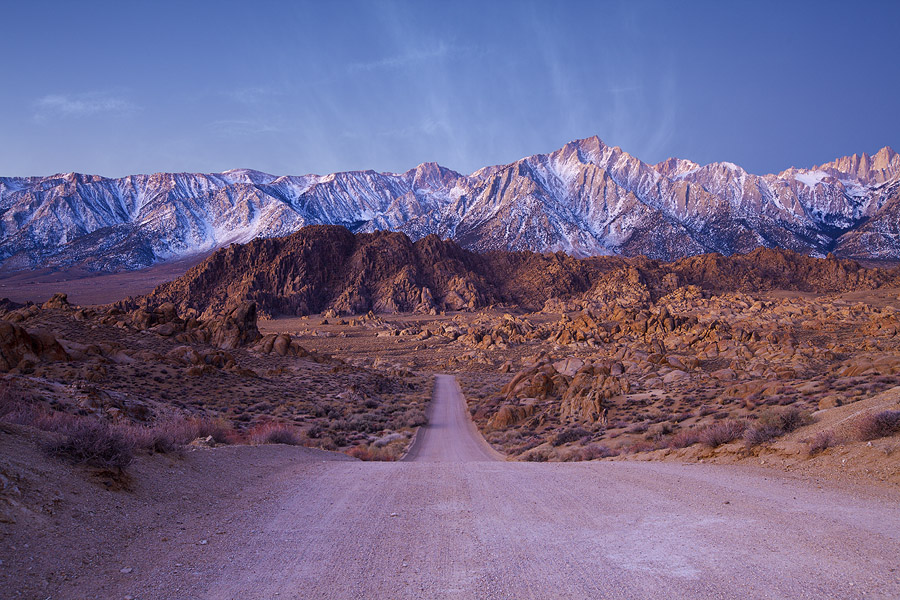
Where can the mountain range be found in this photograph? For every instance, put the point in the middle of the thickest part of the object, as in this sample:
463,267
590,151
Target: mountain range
587,198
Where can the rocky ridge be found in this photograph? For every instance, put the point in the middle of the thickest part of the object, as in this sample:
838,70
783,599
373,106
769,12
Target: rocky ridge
328,268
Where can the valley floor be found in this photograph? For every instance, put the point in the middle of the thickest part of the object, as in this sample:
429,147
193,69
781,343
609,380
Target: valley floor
452,521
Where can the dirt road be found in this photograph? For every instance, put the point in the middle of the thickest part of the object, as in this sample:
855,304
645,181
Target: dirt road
452,521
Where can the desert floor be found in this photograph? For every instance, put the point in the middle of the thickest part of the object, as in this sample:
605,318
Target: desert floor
453,520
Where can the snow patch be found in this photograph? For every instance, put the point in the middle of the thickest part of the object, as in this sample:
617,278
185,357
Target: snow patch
811,178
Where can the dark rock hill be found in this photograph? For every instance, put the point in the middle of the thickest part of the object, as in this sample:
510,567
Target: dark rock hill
325,267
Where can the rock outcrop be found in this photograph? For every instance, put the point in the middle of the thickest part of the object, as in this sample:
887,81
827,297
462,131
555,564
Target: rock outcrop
327,268
18,346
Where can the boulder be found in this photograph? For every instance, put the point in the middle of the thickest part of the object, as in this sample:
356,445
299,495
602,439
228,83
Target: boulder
237,328
58,300
17,344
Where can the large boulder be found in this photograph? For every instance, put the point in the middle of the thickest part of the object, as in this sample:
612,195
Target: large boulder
237,328
58,300
17,344
586,396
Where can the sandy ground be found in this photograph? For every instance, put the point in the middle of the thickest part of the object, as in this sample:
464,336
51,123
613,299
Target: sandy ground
456,521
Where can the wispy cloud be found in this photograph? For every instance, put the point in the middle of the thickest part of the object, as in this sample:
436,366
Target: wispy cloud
251,95
82,105
411,57
243,127
427,126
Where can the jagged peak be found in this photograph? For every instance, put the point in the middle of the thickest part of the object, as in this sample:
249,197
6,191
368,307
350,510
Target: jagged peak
878,167
675,168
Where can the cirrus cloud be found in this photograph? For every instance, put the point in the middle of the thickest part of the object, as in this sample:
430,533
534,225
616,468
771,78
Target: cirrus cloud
82,105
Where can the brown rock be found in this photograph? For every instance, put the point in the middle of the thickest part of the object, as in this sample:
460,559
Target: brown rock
237,328
58,300
17,345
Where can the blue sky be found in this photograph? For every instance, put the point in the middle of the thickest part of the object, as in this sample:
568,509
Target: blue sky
114,88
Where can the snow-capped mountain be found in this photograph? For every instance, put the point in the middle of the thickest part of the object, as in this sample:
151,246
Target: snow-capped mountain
585,198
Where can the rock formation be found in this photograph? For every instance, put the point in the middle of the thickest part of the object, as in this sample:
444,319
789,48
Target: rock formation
326,268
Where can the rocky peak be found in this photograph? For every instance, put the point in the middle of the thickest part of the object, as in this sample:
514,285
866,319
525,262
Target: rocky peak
676,168
881,167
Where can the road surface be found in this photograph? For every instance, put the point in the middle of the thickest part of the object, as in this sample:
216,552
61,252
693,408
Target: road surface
456,521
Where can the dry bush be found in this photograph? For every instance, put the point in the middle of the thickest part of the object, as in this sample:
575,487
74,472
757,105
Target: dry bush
684,438
759,434
38,417
638,428
593,451
373,453
774,423
413,417
537,455
11,399
705,410
93,443
716,434
570,435
822,441
275,433
387,439
877,425
173,433
641,446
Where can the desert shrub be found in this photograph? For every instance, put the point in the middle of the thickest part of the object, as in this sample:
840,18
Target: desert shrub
220,431
153,439
387,439
11,399
413,418
637,428
570,435
641,446
592,451
372,453
537,455
684,438
681,417
30,415
173,433
878,425
786,419
760,434
93,443
774,423
275,433
821,441
716,434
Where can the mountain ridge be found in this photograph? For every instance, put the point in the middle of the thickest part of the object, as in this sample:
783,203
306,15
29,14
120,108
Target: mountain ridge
586,198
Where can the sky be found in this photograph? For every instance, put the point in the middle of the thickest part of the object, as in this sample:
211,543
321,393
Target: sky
115,88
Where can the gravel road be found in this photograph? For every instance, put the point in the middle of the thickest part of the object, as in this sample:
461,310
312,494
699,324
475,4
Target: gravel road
455,521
